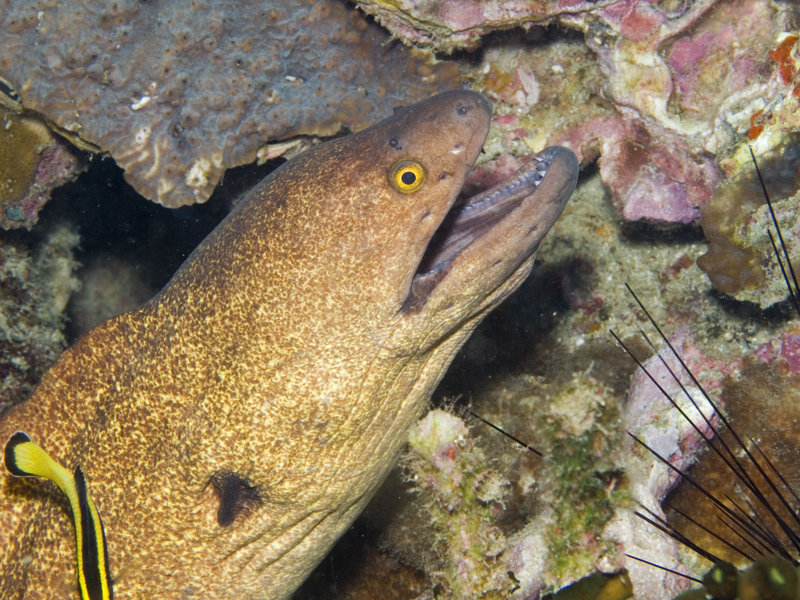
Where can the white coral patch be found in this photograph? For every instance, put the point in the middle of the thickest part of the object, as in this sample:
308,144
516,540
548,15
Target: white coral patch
165,186
141,102
197,175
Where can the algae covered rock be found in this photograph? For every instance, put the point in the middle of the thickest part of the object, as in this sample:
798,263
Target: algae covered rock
740,260
33,162
455,24
35,286
177,92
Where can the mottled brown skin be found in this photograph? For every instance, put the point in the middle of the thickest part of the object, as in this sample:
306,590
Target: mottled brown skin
280,352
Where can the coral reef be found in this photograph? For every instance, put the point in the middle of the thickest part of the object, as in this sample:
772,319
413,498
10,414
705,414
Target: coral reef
33,162
740,260
178,92
663,96
652,172
35,286
456,24
545,368
760,398
651,92
465,494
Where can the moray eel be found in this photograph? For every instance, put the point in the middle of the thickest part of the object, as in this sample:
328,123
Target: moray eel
234,426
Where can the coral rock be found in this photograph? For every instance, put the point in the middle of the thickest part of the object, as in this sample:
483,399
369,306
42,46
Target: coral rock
32,163
34,290
654,175
177,92
453,24
684,79
740,260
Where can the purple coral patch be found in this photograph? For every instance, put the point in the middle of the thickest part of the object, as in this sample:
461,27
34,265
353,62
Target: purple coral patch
652,173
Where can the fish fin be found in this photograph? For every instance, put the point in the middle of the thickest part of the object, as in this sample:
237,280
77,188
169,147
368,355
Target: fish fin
26,459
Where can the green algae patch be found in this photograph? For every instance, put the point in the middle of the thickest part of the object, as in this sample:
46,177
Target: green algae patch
583,481
463,495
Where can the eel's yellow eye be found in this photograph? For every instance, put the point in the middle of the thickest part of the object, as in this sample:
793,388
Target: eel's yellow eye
407,176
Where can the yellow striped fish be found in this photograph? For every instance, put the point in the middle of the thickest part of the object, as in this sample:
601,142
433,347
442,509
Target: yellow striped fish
26,459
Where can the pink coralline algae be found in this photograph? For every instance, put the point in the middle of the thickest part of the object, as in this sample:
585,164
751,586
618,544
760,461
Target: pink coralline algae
681,79
661,95
783,350
177,92
652,173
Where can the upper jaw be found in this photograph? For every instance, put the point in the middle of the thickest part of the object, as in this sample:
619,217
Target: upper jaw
515,213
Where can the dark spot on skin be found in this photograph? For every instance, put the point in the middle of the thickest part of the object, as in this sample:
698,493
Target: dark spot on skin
395,143
430,118
236,495
442,176
462,109
458,146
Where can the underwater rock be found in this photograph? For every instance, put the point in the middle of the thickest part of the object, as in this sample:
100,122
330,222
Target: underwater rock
487,519
179,92
652,173
463,500
545,368
684,79
647,91
650,417
684,65
740,260
33,162
455,24
535,88
35,286
762,400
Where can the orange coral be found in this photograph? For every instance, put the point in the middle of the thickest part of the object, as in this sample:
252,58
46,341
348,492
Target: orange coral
782,55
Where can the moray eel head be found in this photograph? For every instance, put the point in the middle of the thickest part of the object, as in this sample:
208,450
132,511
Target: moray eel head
234,426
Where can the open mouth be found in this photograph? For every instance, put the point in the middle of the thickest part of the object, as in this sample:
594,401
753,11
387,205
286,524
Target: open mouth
471,218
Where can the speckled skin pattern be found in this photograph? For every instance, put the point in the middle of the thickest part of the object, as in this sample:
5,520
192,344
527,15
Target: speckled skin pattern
177,92
280,351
